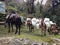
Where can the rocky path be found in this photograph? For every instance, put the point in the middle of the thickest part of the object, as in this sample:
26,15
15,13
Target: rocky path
5,40
56,40
16,41
21,41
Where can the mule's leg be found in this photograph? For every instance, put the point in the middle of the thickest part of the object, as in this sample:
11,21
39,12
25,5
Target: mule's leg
12,27
5,25
9,27
29,28
32,28
49,31
44,32
16,29
19,30
41,31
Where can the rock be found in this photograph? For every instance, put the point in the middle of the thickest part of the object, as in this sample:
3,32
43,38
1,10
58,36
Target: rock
56,40
22,41
19,42
54,44
35,43
45,44
15,42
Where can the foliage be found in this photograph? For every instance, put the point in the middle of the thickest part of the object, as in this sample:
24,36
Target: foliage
52,12
11,8
30,6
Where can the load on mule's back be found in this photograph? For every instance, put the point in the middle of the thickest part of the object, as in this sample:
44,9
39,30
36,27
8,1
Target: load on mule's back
29,21
12,14
14,19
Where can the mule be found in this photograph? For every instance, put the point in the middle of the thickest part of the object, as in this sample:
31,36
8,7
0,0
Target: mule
30,26
14,21
54,29
43,27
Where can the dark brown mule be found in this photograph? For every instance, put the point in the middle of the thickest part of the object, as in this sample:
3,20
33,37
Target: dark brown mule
43,27
14,21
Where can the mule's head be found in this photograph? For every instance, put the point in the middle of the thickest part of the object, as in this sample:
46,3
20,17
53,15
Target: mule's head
6,22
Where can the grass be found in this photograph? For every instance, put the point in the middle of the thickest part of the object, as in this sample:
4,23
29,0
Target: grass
35,36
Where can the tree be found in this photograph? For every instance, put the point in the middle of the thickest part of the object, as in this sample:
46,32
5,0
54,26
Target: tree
41,7
37,9
30,6
53,11
55,6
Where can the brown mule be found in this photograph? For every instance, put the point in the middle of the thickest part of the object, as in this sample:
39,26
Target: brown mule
30,26
43,27
54,29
